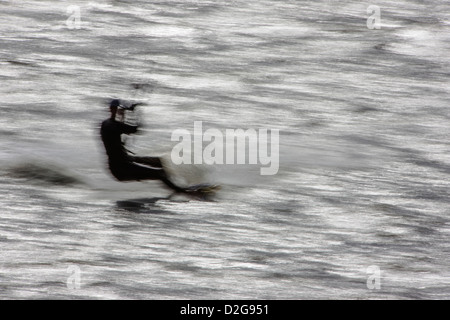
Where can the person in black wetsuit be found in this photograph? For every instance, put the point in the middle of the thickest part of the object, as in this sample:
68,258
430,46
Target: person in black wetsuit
124,166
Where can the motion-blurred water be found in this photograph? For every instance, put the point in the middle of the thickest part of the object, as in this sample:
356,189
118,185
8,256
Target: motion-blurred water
364,149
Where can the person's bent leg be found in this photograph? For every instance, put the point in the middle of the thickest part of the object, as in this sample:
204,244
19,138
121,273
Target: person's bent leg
150,161
142,172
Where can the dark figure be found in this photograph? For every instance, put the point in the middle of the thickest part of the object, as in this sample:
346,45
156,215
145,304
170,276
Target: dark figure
123,166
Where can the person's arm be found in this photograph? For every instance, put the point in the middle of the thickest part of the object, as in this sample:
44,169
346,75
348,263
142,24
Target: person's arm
128,129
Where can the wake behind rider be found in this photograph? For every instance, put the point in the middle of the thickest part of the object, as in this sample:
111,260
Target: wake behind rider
124,166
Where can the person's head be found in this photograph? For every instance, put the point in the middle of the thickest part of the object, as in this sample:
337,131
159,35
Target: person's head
115,109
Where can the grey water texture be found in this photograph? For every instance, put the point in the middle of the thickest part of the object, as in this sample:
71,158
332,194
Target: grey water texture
359,208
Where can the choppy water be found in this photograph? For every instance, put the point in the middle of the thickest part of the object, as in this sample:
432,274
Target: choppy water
364,150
